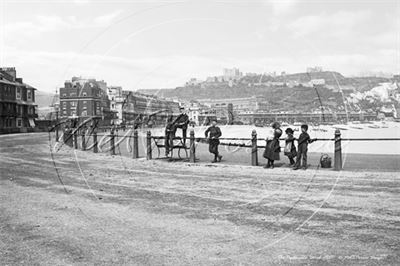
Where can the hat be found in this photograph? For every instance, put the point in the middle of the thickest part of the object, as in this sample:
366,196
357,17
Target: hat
289,130
305,126
275,125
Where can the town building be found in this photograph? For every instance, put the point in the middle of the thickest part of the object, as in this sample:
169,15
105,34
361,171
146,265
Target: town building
137,108
116,97
316,117
83,98
193,82
199,114
18,110
231,74
247,104
317,82
314,69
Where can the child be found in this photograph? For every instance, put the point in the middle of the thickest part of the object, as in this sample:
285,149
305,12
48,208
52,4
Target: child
302,146
215,133
272,149
290,148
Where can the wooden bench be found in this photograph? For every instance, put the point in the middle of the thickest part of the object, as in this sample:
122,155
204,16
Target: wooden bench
178,144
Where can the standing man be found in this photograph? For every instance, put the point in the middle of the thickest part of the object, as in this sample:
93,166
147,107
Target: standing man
213,140
182,122
169,136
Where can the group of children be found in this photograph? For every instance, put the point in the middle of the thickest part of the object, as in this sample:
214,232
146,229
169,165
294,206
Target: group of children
273,148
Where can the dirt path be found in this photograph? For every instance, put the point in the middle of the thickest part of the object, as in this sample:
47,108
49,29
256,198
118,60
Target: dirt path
84,209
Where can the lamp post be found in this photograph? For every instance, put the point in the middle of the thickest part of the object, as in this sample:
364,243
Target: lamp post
57,124
57,108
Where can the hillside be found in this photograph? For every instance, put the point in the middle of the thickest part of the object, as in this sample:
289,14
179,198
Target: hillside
280,97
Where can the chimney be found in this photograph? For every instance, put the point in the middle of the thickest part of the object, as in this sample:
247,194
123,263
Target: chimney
10,71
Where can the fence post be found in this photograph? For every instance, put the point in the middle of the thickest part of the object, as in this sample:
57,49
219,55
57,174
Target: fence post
148,145
135,147
254,151
57,132
95,148
338,151
192,157
112,141
83,140
75,138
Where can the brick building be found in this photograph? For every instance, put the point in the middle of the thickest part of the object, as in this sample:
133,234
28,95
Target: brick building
135,107
85,98
17,103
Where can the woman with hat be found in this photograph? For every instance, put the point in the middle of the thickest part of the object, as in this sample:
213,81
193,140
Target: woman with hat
290,149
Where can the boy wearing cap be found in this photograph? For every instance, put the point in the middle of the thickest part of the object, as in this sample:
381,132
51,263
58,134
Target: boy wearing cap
302,147
213,138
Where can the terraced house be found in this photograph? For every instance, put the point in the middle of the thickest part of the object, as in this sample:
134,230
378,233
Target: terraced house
17,103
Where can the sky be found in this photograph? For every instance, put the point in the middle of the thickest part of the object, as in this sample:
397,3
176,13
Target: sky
140,44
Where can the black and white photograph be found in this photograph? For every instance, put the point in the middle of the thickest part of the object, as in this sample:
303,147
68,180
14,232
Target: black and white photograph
199,132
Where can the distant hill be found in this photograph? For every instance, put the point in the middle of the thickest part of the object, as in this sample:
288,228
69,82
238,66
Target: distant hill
279,97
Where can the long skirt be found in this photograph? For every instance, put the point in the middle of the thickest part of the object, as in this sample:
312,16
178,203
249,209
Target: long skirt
272,150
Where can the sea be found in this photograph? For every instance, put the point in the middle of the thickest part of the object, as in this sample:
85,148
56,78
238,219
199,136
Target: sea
351,130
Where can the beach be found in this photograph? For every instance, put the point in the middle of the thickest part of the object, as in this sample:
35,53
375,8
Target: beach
76,207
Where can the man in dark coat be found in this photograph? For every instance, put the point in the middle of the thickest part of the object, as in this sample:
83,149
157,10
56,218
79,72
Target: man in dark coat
213,138
182,121
169,136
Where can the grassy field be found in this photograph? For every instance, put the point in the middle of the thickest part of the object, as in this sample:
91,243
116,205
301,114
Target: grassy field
74,207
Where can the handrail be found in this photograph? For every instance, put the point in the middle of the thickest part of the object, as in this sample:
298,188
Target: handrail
262,139
115,139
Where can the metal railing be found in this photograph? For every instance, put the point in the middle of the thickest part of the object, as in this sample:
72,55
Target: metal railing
75,134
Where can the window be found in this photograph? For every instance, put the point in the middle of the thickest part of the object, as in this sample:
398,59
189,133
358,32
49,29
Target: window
72,103
84,94
29,95
84,102
19,122
64,104
64,95
18,95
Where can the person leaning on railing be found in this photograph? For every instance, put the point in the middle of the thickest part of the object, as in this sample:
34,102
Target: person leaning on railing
302,148
213,140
